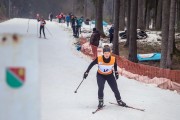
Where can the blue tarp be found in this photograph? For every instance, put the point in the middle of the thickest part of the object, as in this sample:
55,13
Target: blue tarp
104,23
154,57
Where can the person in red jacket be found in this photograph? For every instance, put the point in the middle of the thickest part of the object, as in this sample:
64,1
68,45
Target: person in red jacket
42,25
59,18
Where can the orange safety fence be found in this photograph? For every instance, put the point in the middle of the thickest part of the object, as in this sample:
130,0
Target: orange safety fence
163,78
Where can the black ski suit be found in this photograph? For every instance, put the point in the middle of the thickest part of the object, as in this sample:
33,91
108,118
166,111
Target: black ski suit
42,25
101,79
73,25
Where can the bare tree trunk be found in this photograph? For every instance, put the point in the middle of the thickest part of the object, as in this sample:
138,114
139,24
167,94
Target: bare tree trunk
133,32
113,6
96,7
154,14
73,7
99,16
178,16
128,22
165,32
141,15
122,15
116,29
85,8
159,15
171,33
147,14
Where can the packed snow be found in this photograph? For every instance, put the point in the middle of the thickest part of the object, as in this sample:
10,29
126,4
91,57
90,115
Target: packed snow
61,70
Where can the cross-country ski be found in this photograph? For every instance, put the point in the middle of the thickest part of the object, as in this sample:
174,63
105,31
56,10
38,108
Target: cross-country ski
98,109
127,106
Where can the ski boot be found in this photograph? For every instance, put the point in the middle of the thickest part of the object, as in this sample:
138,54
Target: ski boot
121,103
101,103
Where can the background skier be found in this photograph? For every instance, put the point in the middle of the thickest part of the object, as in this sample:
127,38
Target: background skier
42,25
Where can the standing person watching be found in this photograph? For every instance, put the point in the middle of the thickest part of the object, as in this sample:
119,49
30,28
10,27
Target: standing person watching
94,42
111,33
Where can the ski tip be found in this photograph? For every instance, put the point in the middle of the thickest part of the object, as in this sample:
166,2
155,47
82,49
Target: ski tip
143,110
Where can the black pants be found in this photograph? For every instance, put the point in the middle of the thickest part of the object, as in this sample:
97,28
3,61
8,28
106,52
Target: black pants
74,30
101,79
80,29
77,31
111,38
51,19
67,24
42,29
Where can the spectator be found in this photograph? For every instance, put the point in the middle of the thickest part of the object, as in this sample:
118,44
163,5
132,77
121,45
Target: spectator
73,25
68,20
111,33
94,42
50,16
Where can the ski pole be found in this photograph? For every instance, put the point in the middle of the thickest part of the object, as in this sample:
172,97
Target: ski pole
49,31
37,29
78,86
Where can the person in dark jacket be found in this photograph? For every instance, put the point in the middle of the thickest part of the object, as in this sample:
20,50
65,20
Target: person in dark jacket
51,16
94,41
73,25
107,66
111,33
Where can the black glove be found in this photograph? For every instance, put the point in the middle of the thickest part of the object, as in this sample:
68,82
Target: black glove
85,75
116,74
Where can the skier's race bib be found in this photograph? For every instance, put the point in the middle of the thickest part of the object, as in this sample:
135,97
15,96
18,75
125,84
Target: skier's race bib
105,68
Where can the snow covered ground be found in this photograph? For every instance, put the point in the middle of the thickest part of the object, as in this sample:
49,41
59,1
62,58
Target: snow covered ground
61,70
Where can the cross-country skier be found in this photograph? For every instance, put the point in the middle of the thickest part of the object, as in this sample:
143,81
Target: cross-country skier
106,63
42,25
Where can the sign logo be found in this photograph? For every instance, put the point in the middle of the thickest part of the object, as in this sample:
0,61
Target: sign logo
15,77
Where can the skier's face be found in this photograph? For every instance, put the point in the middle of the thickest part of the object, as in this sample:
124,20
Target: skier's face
107,54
